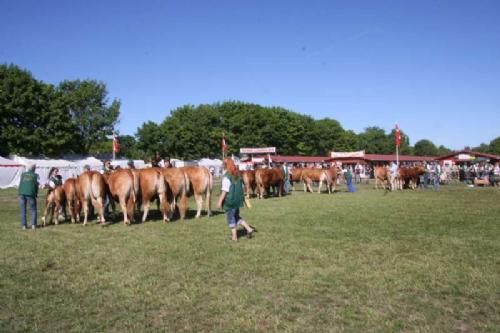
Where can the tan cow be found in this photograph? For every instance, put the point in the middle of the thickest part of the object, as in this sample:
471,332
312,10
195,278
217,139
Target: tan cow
333,173
91,188
381,174
199,184
176,190
248,177
317,175
123,186
265,178
53,203
72,201
152,185
295,175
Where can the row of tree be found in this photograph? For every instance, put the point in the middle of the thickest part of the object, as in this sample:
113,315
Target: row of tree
76,117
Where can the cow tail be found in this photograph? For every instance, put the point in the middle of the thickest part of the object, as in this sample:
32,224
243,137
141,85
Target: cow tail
161,183
187,184
135,185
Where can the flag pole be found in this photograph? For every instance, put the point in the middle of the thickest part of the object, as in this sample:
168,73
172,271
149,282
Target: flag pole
397,155
113,146
398,142
222,146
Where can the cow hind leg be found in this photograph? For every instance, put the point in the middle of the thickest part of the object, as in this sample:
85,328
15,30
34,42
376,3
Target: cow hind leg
164,207
145,207
199,203
99,207
130,208
208,203
124,208
182,206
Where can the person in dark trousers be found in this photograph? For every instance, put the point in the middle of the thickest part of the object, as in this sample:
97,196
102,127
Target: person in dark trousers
232,198
348,180
28,192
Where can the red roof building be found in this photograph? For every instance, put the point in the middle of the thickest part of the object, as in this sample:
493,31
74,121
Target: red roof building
464,156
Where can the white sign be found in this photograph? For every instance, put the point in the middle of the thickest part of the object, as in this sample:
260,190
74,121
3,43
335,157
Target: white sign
267,150
464,157
360,153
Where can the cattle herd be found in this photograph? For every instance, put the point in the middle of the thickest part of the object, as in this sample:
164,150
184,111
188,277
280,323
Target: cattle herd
131,188
170,188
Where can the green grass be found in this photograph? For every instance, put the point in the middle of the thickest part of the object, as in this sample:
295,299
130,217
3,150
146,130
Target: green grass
364,262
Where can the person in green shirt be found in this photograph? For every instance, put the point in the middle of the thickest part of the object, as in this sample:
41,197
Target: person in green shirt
28,192
232,198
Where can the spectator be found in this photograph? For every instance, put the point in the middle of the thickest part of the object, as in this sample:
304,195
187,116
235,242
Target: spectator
348,179
285,172
232,198
28,192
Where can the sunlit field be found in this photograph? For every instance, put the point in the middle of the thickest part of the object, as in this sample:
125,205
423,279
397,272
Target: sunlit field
370,261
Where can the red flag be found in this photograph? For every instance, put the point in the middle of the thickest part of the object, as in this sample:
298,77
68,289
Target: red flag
223,145
116,145
398,136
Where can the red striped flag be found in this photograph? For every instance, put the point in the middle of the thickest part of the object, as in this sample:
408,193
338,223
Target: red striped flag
116,145
398,136
223,145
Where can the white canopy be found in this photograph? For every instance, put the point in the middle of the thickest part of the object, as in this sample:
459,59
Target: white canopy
215,166
67,169
91,161
10,173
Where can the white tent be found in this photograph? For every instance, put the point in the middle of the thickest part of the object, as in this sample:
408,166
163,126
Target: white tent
215,166
179,163
10,173
138,164
66,168
92,162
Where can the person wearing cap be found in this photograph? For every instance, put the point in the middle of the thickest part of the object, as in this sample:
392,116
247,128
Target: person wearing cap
130,164
28,192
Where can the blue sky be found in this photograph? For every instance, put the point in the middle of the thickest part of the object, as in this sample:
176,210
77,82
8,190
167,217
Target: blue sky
432,66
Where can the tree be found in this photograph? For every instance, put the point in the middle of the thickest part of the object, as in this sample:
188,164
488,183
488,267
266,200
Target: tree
442,150
328,135
495,146
375,141
87,104
425,148
21,102
32,119
149,140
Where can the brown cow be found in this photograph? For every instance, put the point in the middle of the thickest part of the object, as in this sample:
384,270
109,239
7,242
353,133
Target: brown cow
317,175
265,178
72,201
408,175
199,184
381,174
91,187
53,203
123,184
248,177
152,184
176,190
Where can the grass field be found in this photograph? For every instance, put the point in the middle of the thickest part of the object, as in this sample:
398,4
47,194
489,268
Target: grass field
364,262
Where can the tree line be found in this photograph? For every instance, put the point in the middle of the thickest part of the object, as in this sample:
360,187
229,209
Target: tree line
77,117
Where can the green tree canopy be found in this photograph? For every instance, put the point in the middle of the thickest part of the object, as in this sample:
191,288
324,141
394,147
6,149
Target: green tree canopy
87,104
425,148
32,118
495,146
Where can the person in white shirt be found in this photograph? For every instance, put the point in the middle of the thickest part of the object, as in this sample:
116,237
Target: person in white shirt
393,174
